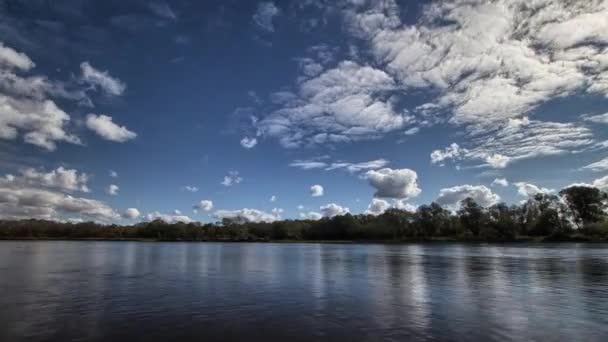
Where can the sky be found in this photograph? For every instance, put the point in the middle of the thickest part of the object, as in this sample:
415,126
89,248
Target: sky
128,111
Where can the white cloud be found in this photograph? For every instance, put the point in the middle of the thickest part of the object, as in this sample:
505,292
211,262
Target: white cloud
351,167
451,152
264,14
332,209
356,167
204,205
27,103
190,188
101,79
403,205
489,61
529,190
601,165
497,161
10,58
248,215
249,142
169,218
600,183
377,207
518,139
112,189
232,178
343,104
500,181
131,213
412,131
602,118
273,198
60,178
21,200
397,183
316,190
482,63
67,180
451,197
113,174
42,122
105,128
308,164
311,215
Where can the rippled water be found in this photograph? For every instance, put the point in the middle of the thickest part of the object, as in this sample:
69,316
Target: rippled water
126,291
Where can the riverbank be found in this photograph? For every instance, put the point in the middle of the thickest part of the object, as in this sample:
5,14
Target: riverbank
434,240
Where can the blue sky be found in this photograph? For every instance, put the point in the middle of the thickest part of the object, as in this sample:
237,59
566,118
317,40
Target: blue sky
122,111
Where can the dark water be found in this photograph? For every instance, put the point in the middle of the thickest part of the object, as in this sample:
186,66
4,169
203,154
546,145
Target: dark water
130,291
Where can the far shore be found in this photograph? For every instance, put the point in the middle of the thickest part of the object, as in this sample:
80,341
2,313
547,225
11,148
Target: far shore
435,240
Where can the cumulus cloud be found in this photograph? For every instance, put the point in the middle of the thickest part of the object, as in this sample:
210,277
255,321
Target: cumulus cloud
204,205
232,178
60,178
101,79
377,206
273,198
28,106
404,205
332,209
113,174
41,121
10,58
105,128
601,183
529,190
131,214
483,64
394,183
264,14
112,189
451,197
169,218
346,103
22,200
500,181
451,152
601,165
249,142
490,61
316,190
246,215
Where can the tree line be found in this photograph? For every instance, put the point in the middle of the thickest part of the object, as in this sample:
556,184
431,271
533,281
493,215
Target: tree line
577,213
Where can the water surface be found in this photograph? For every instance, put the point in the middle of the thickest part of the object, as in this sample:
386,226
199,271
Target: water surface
129,291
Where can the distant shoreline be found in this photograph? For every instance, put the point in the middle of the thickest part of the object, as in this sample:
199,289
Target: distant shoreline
539,240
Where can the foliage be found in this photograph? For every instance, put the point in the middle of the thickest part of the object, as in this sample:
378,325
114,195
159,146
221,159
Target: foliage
580,212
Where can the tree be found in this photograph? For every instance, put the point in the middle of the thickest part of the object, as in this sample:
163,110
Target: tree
586,204
471,215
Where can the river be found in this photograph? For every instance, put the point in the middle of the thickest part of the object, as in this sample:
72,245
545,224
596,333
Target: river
152,291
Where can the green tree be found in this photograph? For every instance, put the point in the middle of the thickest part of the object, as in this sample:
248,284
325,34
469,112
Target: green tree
586,204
